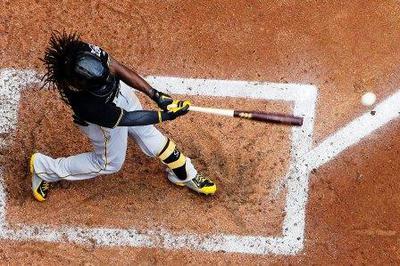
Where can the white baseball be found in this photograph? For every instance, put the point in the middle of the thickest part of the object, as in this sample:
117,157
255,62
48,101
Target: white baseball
368,99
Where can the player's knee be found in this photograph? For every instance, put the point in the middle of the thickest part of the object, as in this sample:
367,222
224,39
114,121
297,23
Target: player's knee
109,167
114,166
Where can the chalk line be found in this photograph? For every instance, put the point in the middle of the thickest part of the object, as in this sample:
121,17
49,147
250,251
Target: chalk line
353,132
291,241
329,149
303,160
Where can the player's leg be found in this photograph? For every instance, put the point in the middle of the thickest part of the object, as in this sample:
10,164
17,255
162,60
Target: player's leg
152,142
108,157
180,169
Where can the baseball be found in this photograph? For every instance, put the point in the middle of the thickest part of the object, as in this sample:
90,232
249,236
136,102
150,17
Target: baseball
368,99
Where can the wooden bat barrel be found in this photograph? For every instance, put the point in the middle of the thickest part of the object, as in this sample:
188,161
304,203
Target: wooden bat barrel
270,117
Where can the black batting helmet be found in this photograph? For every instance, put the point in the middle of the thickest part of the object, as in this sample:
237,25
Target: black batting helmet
91,74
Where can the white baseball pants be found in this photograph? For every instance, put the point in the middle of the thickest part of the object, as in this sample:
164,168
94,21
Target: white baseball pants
109,146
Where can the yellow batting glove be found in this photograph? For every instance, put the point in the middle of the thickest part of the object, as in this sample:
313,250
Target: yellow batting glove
174,111
177,104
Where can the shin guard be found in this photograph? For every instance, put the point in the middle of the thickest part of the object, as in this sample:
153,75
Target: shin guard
174,159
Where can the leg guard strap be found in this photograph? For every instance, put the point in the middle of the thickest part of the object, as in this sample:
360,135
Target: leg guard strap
174,159
167,150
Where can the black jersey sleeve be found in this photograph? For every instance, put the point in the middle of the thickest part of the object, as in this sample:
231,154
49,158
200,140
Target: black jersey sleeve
105,114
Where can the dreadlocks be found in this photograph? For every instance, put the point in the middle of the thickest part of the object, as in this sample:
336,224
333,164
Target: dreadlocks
60,57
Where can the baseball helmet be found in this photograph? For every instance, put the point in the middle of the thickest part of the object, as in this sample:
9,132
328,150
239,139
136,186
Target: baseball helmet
90,73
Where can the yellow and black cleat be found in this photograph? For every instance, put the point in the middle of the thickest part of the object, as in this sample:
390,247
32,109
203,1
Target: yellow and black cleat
201,184
40,187
177,174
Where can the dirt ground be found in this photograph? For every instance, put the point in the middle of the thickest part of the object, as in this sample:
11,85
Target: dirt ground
139,195
344,48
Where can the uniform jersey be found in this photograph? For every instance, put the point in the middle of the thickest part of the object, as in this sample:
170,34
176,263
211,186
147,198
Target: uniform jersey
94,109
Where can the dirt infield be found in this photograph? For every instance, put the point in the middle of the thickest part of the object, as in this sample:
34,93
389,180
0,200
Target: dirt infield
137,192
342,48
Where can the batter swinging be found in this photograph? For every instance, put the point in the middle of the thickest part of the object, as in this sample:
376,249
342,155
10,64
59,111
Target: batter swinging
99,91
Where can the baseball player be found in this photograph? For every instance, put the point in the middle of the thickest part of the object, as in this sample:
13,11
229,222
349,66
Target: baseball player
105,108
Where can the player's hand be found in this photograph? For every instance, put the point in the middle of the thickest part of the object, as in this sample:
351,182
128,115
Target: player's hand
175,110
177,103
162,99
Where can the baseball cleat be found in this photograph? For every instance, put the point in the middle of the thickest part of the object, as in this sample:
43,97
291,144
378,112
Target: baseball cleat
39,186
199,183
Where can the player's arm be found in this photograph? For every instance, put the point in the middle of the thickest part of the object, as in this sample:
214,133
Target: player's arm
109,115
131,78
144,117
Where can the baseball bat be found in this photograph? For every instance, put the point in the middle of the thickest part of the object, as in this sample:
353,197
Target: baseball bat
276,118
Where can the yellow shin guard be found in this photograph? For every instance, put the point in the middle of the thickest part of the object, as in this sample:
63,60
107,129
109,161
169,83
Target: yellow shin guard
174,159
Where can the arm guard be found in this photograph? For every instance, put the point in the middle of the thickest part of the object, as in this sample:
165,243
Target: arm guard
140,118
143,118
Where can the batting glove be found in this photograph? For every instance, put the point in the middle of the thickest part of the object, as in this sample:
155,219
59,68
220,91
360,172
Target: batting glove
162,99
181,109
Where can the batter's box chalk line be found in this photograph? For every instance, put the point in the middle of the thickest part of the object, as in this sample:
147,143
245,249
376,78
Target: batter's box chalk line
302,160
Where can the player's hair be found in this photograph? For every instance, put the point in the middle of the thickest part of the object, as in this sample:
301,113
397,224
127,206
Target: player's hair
59,59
